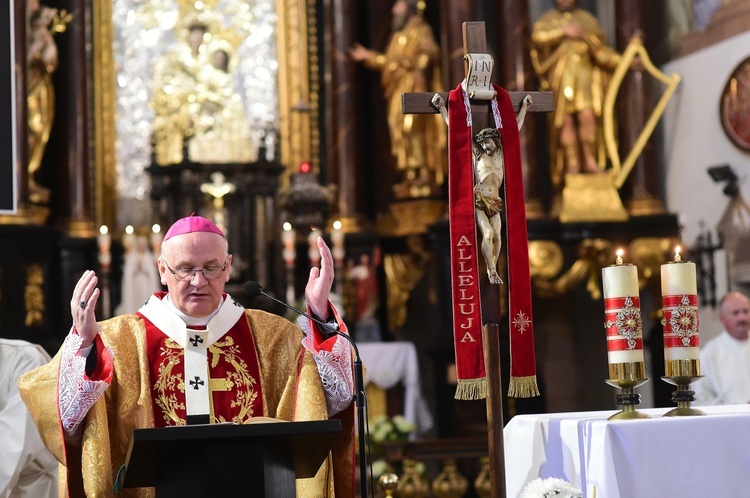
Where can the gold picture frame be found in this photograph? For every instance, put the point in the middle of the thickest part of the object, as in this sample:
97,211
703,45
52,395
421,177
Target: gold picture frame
734,108
297,94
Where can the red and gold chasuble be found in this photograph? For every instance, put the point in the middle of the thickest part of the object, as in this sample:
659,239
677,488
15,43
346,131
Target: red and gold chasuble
248,344
229,376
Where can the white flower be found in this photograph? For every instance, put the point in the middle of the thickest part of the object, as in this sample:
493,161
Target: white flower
552,486
379,467
403,425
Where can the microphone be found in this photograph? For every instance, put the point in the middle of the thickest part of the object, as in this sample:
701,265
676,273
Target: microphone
254,289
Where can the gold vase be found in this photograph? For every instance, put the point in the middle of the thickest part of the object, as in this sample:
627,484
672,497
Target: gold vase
483,482
450,483
388,482
411,484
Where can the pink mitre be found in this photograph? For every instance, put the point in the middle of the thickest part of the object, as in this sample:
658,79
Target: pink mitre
191,224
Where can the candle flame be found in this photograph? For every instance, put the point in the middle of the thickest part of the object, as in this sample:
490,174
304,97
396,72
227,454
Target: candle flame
337,225
286,226
129,229
156,228
619,253
103,230
677,256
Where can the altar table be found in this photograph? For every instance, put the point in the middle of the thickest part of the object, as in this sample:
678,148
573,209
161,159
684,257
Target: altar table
388,363
662,457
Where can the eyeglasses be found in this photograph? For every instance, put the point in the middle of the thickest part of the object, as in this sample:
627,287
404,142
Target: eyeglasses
209,272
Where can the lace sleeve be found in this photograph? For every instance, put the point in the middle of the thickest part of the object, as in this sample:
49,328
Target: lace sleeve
76,394
335,370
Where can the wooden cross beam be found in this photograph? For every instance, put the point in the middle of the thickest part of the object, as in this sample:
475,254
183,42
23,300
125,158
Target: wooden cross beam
475,42
420,103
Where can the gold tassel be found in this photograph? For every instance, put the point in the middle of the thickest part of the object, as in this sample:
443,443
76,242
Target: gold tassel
471,389
523,387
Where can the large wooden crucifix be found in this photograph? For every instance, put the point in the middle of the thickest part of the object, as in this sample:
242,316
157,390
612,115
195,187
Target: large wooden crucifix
481,117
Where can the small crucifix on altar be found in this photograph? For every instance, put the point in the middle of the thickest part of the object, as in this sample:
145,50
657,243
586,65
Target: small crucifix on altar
485,183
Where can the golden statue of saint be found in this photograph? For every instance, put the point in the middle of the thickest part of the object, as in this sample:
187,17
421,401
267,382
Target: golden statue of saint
41,62
197,109
570,55
410,64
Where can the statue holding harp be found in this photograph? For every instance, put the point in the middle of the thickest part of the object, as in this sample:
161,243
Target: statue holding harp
571,58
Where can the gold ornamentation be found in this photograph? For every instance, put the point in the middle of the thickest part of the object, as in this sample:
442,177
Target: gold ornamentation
684,321
545,259
591,197
629,323
521,322
450,483
245,385
388,483
634,48
166,381
295,77
483,482
170,379
403,272
298,85
42,61
34,295
593,254
682,368
416,216
104,97
649,253
628,371
411,484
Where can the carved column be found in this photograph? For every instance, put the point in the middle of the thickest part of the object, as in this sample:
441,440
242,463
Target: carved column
453,13
513,72
22,147
642,191
342,118
72,122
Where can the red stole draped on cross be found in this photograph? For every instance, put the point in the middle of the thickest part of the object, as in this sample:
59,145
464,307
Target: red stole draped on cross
467,316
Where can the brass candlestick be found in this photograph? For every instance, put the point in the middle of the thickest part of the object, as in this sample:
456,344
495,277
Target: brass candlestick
627,376
682,373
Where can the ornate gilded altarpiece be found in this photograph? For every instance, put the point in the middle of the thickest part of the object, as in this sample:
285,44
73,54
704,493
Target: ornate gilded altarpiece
276,74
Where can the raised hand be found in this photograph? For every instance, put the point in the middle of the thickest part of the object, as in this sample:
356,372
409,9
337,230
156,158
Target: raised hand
320,282
82,306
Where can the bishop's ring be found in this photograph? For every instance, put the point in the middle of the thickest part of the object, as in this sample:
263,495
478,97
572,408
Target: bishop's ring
82,304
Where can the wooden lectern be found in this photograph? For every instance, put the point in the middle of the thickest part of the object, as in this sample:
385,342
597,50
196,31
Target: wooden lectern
258,459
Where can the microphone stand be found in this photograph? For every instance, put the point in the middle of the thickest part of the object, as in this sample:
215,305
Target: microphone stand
359,396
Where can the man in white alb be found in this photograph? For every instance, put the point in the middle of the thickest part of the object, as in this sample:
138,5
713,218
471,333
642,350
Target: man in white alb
27,468
725,359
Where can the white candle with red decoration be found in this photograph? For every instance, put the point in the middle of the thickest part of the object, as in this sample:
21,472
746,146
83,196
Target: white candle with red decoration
337,241
128,238
622,313
104,242
679,299
289,242
156,238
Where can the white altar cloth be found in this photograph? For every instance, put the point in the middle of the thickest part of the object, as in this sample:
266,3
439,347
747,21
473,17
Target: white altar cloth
661,457
388,363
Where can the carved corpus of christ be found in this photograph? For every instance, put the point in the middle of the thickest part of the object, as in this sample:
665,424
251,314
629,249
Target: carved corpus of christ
489,167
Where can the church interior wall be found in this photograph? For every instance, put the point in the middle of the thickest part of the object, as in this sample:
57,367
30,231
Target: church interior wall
694,141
